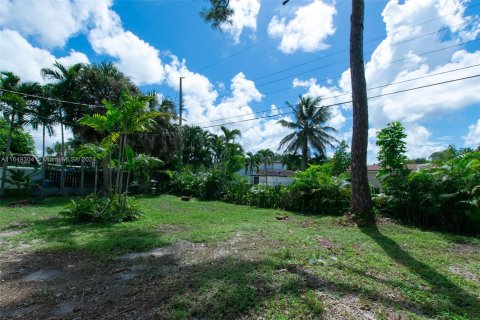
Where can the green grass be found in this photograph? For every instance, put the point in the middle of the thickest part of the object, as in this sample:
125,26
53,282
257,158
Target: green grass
300,268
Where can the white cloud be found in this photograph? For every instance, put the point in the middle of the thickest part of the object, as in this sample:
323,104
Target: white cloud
307,31
244,17
20,57
472,139
404,21
135,57
50,22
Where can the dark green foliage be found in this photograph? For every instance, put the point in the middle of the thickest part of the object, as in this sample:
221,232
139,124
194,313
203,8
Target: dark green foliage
445,197
92,209
22,141
313,191
218,14
392,148
341,159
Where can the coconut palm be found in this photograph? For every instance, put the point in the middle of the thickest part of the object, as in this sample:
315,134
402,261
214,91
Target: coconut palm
266,156
252,162
229,136
120,121
65,87
15,101
44,115
98,153
309,129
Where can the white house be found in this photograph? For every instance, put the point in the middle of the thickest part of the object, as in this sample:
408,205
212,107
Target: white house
273,174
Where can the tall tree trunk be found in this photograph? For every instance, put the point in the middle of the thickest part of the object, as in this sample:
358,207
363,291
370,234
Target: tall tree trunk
361,203
96,178
120,155
62,175
266,174
305,154
82,178
7,154
107,183
120,168
43,161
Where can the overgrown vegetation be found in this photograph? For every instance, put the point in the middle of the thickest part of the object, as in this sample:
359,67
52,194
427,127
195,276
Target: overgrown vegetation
93,209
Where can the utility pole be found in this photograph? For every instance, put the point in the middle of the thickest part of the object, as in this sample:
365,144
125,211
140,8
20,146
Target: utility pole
180,103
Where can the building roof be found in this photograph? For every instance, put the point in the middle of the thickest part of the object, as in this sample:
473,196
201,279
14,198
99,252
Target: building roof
411,166
275,173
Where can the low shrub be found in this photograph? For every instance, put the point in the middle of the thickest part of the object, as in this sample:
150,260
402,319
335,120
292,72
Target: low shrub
99,209
445,197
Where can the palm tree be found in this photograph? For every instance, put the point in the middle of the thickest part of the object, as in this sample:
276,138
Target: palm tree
229,135
14,107
252,162
309,128
120,121
66,88
44,116
97,153
266,157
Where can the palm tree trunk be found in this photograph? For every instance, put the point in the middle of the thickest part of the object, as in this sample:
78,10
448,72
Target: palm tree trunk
43,161
266,175
121,168
62,175
96,178
82,178
7,155
361,199
305,154
120,154
107,181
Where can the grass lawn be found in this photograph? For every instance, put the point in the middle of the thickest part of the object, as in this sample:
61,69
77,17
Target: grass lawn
211,260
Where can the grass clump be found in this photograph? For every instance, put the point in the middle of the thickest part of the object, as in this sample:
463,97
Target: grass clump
93,209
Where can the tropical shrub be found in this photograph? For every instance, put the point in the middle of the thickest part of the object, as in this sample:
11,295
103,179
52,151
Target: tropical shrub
445,197
93,209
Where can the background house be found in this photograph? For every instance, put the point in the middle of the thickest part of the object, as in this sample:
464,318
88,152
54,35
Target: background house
373,170
273,174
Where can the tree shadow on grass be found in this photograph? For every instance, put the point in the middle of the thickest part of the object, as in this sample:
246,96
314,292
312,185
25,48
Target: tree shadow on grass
101,238
450,296
164,288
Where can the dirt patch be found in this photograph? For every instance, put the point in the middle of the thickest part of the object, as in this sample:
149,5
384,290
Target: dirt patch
10,233
327,243
465,273
466,248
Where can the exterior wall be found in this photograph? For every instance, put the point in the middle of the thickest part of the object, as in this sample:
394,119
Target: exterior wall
372,179
28,170
275,180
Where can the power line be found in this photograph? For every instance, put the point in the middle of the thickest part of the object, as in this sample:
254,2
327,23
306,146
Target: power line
384,64
246,48
334,63
50,99
346,93
345,102
369,41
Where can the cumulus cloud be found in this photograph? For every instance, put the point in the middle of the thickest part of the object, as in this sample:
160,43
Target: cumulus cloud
135,57
307,30
244,17
472,139
391,63
203,106
19,56
51,23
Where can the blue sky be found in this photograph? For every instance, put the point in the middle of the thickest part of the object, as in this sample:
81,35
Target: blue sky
155,42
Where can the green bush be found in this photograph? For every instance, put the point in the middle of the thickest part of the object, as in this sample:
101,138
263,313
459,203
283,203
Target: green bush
445,197
93,209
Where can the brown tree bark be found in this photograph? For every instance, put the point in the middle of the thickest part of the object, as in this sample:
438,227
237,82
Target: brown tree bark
361,203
